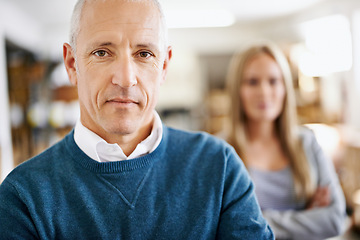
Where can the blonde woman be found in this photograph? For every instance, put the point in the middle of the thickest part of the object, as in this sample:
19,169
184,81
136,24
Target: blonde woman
296,185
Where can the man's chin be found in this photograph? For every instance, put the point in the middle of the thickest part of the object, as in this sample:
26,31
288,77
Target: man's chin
120,130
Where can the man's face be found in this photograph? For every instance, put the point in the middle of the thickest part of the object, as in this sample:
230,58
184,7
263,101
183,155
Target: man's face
121,61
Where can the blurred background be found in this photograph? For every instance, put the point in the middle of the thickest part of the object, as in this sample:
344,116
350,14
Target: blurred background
321,39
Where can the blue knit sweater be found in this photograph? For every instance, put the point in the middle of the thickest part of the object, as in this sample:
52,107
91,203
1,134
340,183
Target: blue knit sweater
192,186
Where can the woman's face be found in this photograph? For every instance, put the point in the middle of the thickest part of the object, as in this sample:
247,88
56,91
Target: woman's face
262,91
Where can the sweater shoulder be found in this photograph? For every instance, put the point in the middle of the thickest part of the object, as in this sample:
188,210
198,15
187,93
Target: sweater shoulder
42,163
198,145
195,137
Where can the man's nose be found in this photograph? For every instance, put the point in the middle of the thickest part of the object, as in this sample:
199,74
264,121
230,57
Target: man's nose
124,72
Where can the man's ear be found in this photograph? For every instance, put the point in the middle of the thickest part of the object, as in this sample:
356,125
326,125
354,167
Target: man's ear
166,63
69,61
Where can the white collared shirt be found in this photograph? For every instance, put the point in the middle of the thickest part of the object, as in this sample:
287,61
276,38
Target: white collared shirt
98,149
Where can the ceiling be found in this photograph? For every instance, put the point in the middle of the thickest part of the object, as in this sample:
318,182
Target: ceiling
44,24
49,12
244,10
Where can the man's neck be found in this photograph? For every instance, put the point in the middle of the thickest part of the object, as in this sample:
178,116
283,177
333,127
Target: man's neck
97,147
128,143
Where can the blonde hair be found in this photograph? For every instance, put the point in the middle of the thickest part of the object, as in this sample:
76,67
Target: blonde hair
285,124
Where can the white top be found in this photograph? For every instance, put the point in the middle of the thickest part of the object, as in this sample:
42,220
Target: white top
98,149
275,189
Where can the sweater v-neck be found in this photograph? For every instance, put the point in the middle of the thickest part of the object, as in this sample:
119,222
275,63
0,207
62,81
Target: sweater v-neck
113,167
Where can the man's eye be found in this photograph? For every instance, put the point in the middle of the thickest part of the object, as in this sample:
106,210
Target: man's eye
100,53
145,54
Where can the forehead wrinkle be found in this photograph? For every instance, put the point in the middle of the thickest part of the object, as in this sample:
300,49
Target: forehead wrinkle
141,37
139,31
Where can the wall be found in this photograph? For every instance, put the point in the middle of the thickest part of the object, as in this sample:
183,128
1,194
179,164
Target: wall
186,79
6,152
17,27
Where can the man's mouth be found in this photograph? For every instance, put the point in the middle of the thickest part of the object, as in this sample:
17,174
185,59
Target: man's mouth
122,101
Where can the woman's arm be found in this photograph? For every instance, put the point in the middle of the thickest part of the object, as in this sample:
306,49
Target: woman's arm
324,217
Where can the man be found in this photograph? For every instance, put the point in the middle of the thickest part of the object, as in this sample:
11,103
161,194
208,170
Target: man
121,174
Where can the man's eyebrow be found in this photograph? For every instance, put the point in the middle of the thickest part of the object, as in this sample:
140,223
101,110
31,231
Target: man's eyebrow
100,44
106,44
147,45
103,44
95,45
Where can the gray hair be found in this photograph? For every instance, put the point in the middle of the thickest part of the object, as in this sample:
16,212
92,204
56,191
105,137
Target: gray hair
77,12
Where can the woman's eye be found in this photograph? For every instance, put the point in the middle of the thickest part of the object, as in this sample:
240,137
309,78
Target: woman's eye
252,81
273,81
100,53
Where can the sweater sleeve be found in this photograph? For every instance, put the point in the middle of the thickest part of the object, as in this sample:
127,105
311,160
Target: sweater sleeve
316,223
241,217
15,220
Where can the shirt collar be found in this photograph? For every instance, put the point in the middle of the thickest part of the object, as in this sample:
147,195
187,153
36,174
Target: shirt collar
98,149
